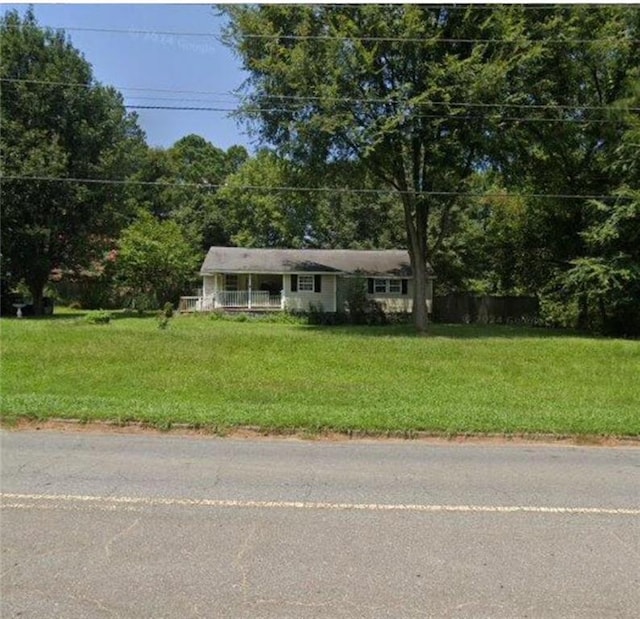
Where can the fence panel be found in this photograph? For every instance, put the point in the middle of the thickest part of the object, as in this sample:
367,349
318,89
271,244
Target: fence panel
485,309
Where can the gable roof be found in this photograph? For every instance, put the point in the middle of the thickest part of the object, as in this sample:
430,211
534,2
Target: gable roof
390,262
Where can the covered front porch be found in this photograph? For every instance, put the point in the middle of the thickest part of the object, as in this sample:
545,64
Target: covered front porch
237,291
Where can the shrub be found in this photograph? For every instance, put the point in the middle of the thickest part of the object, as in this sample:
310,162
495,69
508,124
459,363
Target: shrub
357,301
360,309
558,312
99,317
165,315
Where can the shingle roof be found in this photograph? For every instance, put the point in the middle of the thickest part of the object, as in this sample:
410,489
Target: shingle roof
393,262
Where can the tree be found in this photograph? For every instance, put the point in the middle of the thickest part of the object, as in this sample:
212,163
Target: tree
155,262
606,277
580,88
353,211
379,85
609,278
187,177
257,212
271,202
57,123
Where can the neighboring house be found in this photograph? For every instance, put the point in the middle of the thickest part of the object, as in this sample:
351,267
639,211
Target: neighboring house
301,279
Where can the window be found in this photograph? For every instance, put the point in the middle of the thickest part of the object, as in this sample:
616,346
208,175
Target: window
383,286
231,282
380,285
305,283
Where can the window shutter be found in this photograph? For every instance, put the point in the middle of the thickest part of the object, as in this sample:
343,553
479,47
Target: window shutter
370,285
317,283
294,283
404,286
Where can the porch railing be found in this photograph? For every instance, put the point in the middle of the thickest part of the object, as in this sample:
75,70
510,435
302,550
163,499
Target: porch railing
190,304
243,299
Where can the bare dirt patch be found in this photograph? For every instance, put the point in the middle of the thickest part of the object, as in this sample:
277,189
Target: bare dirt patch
243,432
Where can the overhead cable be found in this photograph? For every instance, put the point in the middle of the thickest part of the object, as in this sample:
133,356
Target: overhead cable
328,37
456,117
316,98
290,188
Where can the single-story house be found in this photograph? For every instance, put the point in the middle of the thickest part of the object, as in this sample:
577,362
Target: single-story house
300,279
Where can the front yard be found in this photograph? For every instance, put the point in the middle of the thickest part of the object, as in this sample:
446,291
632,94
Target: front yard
219,374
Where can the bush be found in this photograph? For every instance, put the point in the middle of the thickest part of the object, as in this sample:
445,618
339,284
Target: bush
315,316
165,315
99,317
360,309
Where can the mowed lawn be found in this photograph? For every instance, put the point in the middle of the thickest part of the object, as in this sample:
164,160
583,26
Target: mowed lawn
460,379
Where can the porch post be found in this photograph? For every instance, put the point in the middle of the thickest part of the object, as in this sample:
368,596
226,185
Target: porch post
249,301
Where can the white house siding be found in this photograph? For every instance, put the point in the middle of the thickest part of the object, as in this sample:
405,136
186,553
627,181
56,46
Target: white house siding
393,304
208,285
402,303
390,302
302,301
331,298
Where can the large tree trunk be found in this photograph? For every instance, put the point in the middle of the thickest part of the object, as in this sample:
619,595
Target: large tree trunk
416,216
583,313
420,316
37,295
36,282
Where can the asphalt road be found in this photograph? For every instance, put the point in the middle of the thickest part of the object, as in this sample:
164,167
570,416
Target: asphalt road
164,526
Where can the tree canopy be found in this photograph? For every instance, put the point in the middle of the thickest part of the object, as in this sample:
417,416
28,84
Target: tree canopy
379,84
154,261
442,104
57,123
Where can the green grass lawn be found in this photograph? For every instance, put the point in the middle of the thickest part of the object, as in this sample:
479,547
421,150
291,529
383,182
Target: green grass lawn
460,379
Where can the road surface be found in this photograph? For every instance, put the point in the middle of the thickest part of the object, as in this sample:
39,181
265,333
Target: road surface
98,525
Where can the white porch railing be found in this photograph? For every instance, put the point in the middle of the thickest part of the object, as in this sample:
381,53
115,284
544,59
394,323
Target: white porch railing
190,304
236,299
244,298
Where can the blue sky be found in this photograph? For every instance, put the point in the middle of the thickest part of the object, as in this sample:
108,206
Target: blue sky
130,61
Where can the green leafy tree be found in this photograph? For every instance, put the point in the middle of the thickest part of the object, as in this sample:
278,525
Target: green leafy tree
270,202
56,122
579,88
609,278
258,211
378,85
606,278
183,181
355,211
155,261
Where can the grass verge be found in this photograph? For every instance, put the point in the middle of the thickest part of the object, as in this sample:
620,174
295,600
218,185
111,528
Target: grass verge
219,374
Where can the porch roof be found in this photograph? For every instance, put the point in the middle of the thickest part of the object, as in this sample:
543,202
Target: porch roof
393,262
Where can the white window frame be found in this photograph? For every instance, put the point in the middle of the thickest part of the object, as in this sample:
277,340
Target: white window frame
306,283
395,286
380,285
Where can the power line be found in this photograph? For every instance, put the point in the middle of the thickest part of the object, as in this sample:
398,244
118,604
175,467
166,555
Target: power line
290,188
445,41
500,119
311,98
93,85
325,37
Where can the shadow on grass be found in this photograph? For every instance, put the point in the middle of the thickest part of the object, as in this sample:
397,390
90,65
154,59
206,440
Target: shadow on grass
54,316
454,331
76,314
